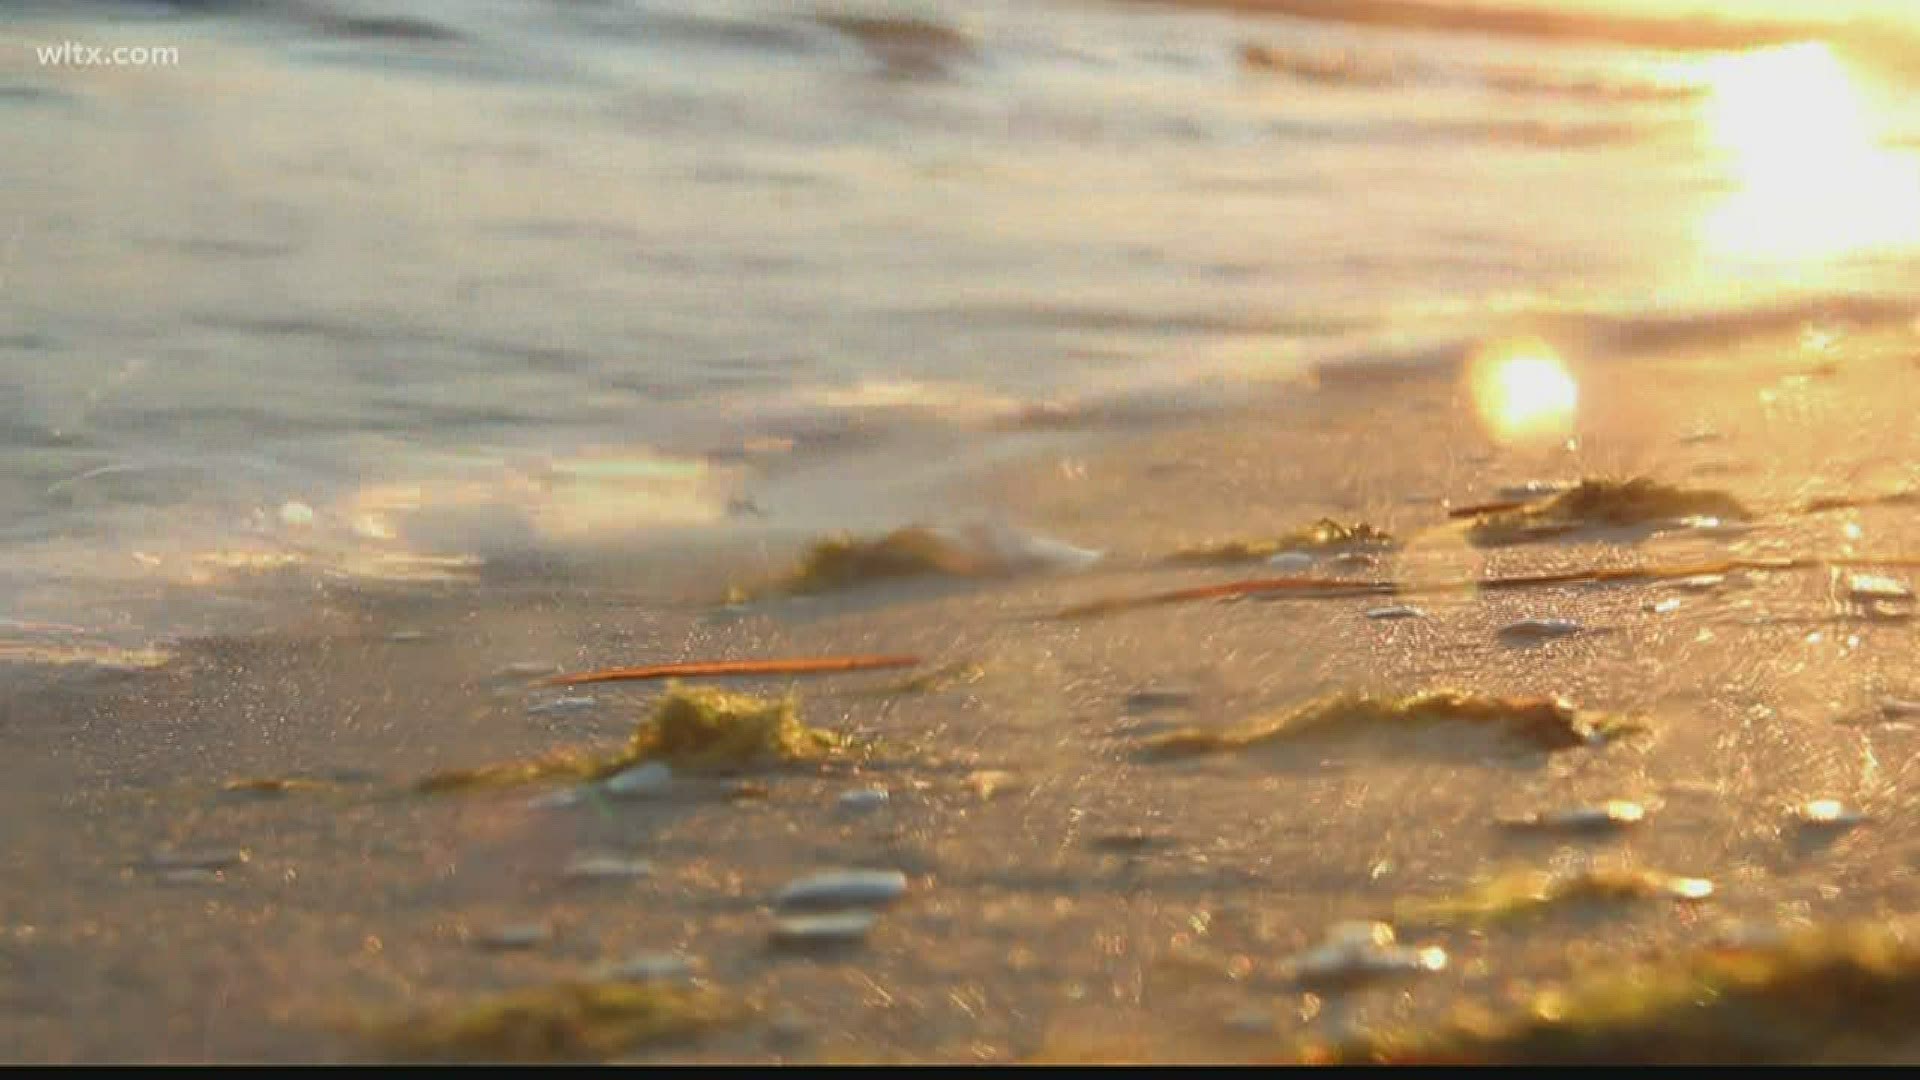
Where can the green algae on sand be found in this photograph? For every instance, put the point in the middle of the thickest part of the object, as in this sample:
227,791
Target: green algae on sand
1527,893
1322,537
841,562
1534,723
563,1022
690,727
1832,995
1600,504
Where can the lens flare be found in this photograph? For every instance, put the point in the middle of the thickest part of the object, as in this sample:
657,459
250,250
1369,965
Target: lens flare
1523,390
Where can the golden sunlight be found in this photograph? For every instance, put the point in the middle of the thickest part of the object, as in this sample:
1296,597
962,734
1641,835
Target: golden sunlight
1523,390
1812,178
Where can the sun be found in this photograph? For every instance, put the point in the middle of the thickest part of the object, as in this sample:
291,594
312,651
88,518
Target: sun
1812,180
1523,390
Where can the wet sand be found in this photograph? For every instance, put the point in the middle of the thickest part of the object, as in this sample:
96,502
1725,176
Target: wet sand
1085,902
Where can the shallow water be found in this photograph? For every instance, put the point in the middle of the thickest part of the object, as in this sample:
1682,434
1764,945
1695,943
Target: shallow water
382,296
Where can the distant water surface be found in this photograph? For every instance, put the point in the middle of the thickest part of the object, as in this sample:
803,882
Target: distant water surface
382,291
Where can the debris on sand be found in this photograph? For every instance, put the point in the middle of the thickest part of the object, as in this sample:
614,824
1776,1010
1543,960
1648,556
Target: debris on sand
1601,504
1363,952
570,1021
268,787
1535,631
1527,893
1323,537
1536,723
812,665
1819,996
959,673
915,551
690,727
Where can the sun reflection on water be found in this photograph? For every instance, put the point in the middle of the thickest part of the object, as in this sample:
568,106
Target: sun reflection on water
1523,390
1813,180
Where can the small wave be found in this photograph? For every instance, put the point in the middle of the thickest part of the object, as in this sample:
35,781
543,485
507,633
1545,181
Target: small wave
1542,82
1328,67
1678,33
905,47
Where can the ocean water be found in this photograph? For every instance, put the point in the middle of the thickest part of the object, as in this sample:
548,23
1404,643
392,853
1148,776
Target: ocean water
389,291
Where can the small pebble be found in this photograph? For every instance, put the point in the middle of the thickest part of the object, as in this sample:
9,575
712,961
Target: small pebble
192,876
1610,816
1131,840
787,1027
1532,489
1701,582
988,782
1150,700
863,800
517,936
1666,607
1397,611
606,867
1828,814
559,799
1361,952
559,706
194,860
1876,587
1251,1020
1711,526
526,669
641,782
1528,630
832,928
843,888
295,514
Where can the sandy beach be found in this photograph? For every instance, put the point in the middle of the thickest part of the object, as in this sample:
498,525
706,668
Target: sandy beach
1065,895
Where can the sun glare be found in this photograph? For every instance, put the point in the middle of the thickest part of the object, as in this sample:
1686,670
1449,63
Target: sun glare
1523,391
1812,178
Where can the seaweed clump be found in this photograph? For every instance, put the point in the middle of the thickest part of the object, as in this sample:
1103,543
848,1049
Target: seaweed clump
1603,504
1834,995
1530,893
1322,537
567,1021
1535,723
697,727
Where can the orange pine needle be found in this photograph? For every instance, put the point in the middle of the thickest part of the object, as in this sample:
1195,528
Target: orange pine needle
698,669
1314,588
